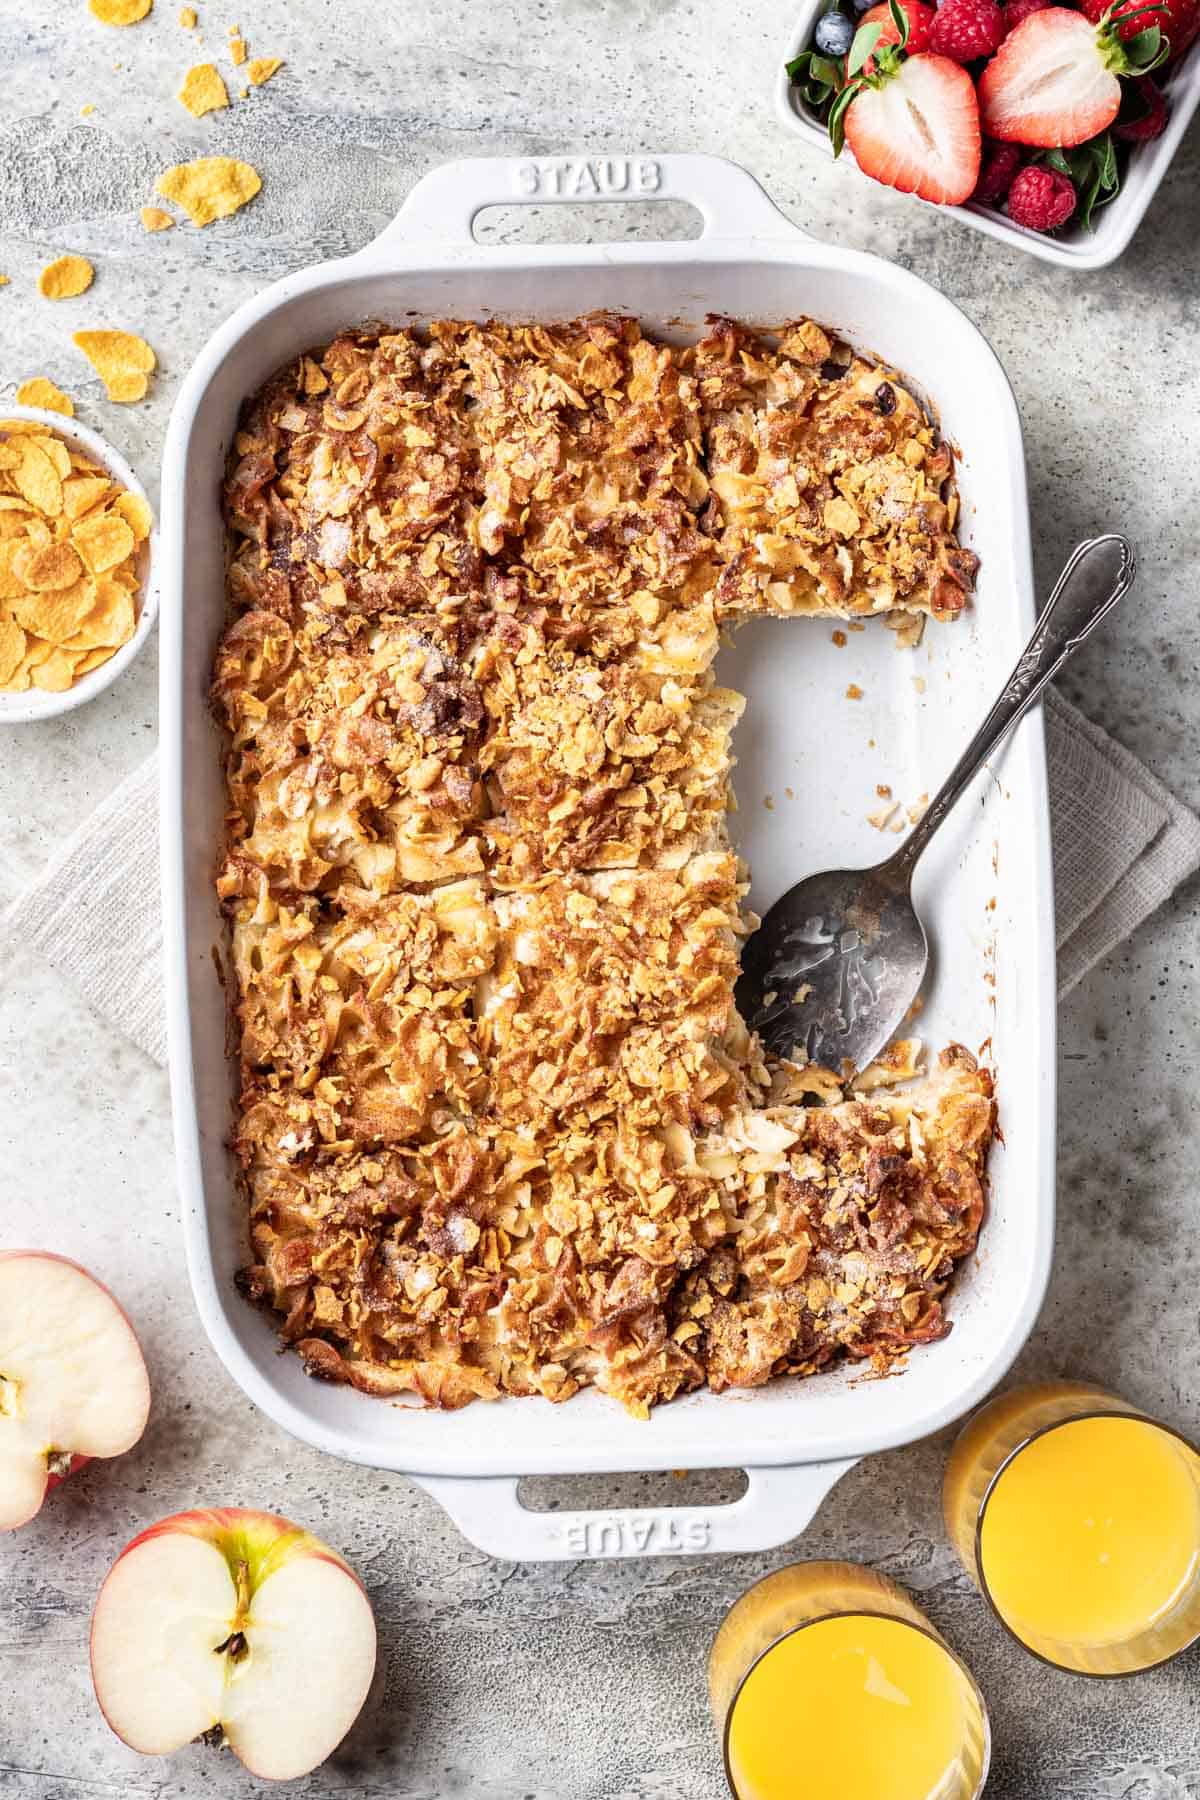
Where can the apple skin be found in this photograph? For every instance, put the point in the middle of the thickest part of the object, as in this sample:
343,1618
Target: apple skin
289,1619
265,1539
79,1460
77,1463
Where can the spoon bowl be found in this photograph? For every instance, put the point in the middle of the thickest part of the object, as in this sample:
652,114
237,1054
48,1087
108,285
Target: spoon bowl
834,976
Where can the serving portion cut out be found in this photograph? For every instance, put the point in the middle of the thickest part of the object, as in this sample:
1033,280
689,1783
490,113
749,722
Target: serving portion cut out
501,1129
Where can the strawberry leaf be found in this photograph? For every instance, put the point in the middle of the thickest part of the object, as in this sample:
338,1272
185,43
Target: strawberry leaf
818,77
865,40
1137,55
837,115
1093,169
824,70
900,21
1143,43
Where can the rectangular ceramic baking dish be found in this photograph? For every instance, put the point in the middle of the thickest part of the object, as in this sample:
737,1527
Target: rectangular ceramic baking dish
810,761
1073,248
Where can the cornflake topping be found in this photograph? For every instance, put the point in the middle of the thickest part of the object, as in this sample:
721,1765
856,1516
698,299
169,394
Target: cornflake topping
501,1129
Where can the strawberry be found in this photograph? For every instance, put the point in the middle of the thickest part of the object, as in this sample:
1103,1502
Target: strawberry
965,30
1151,122
919,16
915,127
1178,20
1041,199
1054,80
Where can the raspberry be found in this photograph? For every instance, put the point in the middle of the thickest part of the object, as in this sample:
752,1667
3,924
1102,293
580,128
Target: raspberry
966,29
1149,124
1016,10
1000,165
1041,199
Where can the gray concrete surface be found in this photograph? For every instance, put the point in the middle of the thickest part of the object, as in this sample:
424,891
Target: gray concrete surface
585,1682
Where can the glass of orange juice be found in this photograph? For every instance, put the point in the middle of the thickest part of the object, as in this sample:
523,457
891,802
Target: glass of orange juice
1078,1517
825,1679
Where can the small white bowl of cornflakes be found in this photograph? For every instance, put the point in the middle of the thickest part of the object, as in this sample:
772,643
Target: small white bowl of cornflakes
77,591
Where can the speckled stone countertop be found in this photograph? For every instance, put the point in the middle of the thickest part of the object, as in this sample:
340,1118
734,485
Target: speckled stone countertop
567,1682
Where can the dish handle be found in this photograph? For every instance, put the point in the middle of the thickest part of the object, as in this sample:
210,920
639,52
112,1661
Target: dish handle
778,1504
442,207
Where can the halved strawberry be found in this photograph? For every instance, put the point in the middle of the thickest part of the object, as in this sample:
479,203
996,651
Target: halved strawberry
1054,80
917,129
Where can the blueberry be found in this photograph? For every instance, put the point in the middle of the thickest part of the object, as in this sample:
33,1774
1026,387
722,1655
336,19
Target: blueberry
861,6
835,34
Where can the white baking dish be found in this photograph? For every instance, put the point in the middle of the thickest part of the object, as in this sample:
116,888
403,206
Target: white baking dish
987,885
1073,247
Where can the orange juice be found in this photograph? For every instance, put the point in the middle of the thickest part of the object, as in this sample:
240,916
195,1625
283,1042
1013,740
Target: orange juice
1080,1520
829,1683
1092,1532
860,1706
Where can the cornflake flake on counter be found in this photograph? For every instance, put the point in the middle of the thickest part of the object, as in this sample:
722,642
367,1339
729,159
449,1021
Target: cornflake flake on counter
119,12
66,278
155,219
237,51
211,187
262,68
70,538
203,90
187,18
122,361
39,390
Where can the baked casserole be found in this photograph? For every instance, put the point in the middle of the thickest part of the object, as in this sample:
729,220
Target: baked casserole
500,1127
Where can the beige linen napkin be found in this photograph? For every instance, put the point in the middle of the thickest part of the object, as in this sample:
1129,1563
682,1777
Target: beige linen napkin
1122,844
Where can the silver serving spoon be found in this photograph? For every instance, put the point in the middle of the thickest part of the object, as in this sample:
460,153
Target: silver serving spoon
835,965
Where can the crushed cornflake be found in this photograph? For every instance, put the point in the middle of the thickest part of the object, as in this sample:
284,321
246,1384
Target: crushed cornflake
262,68
119,12
187,17
70,572
123,362
854,692
85,112
39,390
203,90
66,278
501,1128
155,219
237,51
211,187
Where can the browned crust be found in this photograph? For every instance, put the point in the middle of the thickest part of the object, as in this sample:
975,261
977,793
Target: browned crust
500,1127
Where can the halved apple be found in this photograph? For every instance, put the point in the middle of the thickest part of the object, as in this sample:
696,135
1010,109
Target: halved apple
237,1620
72,1380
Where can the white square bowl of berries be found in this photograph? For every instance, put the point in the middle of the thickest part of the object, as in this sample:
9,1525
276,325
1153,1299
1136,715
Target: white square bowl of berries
1043,124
